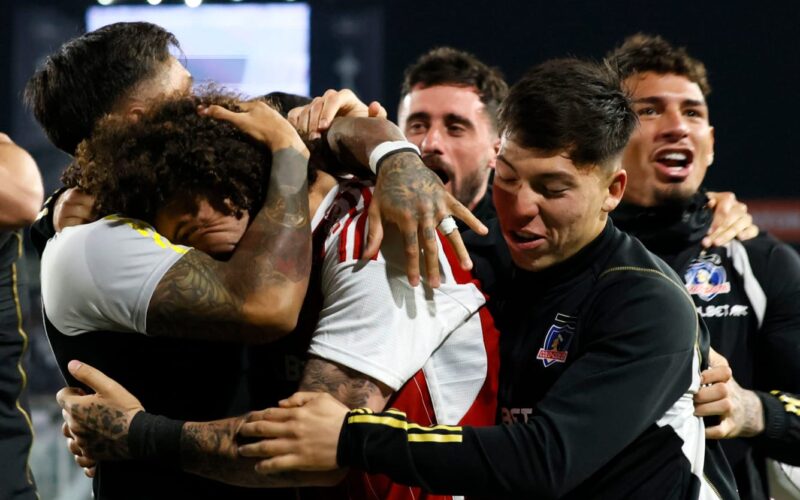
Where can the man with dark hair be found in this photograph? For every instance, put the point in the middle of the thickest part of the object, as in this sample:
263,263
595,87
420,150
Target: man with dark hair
747,292
448,107
369,331
595,386
20,197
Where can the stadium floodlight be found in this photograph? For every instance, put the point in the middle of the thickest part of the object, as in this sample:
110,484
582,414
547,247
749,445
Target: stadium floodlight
154,2
105,2
193,3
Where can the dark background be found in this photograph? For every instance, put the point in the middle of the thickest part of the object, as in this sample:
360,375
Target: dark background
751,50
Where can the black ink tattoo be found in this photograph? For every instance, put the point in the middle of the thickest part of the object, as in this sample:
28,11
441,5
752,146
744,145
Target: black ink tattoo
345,384
104,431
202,298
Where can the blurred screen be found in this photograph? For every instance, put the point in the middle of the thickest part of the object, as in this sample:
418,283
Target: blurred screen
254,49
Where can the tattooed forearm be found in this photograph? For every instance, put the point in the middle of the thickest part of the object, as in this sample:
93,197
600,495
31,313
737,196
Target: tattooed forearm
348,386
103,430
257,294
209,449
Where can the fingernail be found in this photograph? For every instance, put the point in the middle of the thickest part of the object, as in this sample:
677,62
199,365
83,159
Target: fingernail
74,365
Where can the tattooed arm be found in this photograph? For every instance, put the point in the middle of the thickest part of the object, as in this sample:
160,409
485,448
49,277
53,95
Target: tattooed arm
256,296
100,424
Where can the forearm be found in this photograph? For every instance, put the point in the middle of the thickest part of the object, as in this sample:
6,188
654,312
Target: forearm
21,191
256,296
781,434
350,141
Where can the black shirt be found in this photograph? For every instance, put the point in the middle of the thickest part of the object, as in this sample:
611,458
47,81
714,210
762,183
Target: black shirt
748,293
599,355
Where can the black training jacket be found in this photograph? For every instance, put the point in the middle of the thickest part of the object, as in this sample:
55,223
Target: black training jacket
599,358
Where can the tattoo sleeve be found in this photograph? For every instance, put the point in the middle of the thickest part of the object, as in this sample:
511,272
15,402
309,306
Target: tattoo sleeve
210,449
255,296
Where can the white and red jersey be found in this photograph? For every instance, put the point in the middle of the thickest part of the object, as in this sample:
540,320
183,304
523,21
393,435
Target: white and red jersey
437,348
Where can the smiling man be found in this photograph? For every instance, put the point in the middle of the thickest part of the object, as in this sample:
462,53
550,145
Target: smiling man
746,291
601,347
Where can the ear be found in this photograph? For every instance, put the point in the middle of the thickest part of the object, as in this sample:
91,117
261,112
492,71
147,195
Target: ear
616,188
496,148
711,151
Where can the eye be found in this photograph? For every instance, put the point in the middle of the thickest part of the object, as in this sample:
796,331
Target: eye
415,128
554,192
456,130
693,113
646,111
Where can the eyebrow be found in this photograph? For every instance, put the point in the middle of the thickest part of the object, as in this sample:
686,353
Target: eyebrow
504,160
456,118
659,100
419,115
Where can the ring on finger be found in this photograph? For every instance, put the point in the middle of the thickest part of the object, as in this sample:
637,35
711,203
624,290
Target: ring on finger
447,225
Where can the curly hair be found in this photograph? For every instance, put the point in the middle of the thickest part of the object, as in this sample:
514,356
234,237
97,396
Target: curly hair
171,153
640,53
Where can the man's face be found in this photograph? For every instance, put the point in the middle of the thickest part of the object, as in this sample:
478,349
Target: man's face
671,149
548,208
209,230
450,126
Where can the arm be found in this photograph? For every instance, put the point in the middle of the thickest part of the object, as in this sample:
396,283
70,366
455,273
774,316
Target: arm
545,456
21,191
255,296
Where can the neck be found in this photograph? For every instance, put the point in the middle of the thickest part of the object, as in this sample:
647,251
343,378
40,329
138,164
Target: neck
318,190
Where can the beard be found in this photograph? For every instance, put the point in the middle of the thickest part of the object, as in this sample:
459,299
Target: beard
463,188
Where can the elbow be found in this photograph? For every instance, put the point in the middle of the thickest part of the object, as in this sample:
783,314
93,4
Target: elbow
268,324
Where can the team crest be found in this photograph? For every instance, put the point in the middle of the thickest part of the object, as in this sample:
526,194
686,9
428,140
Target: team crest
706,278
557,340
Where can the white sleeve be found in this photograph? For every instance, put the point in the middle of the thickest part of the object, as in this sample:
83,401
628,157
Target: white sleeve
373,321
101,276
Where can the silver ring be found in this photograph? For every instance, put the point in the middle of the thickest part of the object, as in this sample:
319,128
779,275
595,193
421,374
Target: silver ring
448,225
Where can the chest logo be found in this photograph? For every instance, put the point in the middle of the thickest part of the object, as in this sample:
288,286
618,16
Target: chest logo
706,278
557,340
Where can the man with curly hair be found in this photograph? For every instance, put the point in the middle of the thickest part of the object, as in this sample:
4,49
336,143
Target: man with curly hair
371,336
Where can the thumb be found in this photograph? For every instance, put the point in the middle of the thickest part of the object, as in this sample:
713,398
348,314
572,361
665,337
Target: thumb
299,399
374,231
376,110
98,381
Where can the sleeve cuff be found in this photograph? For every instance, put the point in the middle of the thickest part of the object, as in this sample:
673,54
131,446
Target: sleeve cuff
776,420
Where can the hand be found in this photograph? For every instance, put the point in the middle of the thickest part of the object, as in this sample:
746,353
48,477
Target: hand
89,466
73,208
313,118
731,220
411,196
99,422
261,122
303,434
740,411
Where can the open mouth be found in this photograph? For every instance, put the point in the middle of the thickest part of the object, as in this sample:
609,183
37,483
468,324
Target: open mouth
525,240
675,163
435,164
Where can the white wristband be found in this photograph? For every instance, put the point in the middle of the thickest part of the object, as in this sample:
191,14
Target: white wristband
388,148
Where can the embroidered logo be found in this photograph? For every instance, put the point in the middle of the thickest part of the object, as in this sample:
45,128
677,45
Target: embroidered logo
706,278
557,340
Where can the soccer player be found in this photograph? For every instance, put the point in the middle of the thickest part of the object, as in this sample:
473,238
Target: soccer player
371,334
748,292
20,196
596,385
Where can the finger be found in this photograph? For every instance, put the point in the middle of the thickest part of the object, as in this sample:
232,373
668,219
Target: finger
270,414
411,250
268,448
300,398
461,212
721,407
73,447
67,394
375,110
219,113
280,464
374,232
85,462
94,378
460,249
90,472
430,250
294,116
735,229
266,429
720,431
65,431
331,107
716,374
709,394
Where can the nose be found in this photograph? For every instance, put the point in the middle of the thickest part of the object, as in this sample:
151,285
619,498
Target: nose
432,142
674,126
527,202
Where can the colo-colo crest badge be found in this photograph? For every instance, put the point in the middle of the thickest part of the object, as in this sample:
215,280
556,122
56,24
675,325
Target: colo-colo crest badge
706,277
